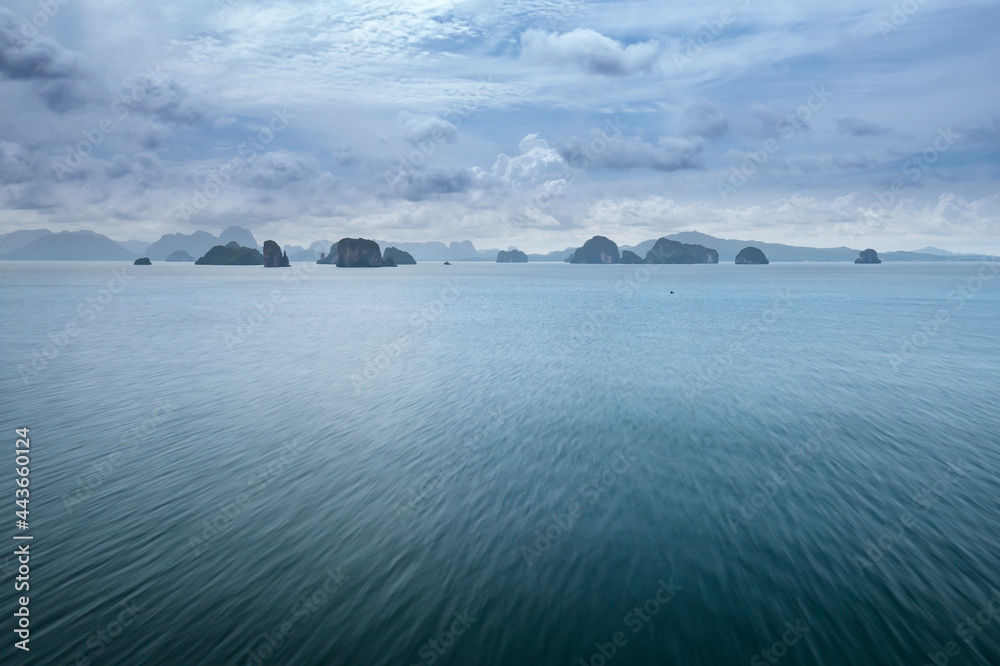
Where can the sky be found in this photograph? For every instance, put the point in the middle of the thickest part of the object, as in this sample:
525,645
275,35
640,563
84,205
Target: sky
530,123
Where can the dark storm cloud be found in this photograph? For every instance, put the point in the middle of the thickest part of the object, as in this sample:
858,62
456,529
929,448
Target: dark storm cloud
57,75
431,184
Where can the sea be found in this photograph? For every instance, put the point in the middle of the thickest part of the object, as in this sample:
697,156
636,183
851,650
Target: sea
494,464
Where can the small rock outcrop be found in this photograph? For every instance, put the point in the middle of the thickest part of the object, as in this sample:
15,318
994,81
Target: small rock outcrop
231,254
180,255
668,251
630,257
273,256
868,256
358,253
397,257
751,255
142,261
447,263
511,256
598,250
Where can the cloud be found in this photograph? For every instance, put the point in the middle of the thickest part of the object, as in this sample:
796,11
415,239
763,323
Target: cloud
165,101
772,121
279,169
145,168
622,153
421,185
420,128
852,126
16,164
536,165
590,51
853,162
985,134
56,73
706,119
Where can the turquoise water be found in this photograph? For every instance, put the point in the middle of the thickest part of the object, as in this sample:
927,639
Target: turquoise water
506,464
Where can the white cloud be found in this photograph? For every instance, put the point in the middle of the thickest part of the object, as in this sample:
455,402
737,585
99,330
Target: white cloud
421,128
591,51
536,165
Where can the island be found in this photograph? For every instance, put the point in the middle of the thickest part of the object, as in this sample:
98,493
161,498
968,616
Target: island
630,257
273,256
357,253
511,256
141,261
231,254
667,251
397,257
751,255
598,250
868,256
180,255
331,258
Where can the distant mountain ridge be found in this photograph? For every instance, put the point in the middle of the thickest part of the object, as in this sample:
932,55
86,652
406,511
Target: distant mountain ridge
71,246
15,240
199,242
42,244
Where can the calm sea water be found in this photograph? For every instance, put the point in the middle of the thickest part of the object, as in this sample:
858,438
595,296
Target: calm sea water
505,464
